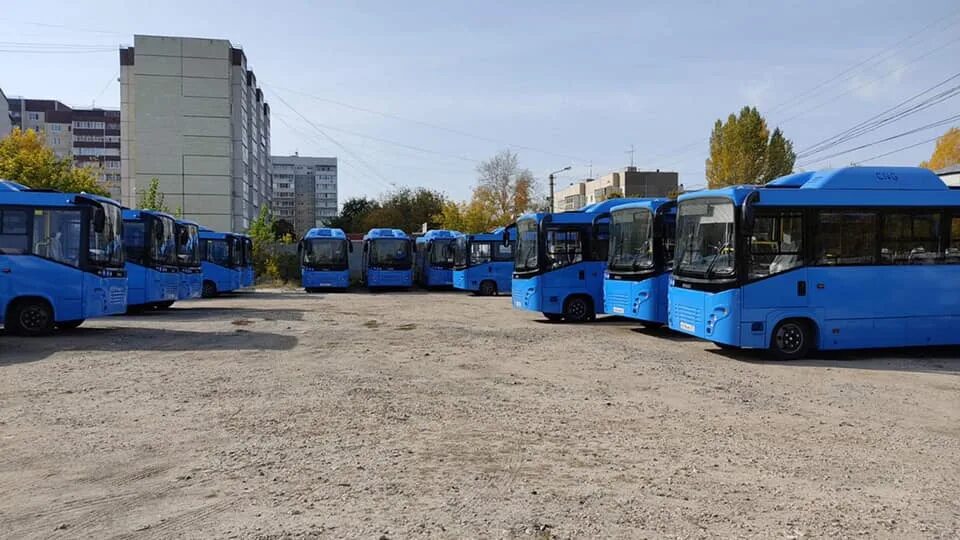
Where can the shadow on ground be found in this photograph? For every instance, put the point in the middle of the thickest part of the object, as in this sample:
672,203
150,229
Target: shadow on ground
195,311
912,359
16,350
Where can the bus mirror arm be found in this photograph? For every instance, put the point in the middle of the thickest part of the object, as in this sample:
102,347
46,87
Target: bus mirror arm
746,209
350,246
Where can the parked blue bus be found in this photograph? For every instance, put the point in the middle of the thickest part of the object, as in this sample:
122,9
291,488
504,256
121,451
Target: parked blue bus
483,263
434,258
153,269
61,259
560,261
642,236
221,256
857,257
188,257
247,274
387,258
325,259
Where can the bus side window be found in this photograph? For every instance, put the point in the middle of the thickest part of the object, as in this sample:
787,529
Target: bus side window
776,243
13,232
846,238
953,250
910,239
502,252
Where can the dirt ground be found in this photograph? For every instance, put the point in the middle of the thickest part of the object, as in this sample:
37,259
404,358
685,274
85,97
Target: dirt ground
278,414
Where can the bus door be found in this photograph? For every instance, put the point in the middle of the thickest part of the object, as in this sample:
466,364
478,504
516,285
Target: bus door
776,275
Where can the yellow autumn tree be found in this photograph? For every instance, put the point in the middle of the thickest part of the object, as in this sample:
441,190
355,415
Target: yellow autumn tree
744,151
947,151
26,159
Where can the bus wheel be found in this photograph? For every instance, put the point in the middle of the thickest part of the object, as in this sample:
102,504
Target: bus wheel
209,289
578,309
164,305
553,317
30,318
69,325
791,340
310,290
488,288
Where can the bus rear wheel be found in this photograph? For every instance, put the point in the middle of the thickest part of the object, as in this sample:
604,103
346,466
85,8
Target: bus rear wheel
488,288
30,318
70,325
209,289
578,309
791,340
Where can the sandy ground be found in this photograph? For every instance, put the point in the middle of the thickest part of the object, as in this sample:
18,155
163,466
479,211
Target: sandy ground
285,415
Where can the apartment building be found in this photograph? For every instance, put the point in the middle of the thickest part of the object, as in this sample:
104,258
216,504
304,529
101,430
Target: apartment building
90,137
6,125
304,190
195,119
629,182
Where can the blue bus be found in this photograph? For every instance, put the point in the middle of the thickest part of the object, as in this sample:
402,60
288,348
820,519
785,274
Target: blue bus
850,258
188,257
324,259
483,263
560,262
387,258
642,236
61,259
221,256
247,274
434,258
153,269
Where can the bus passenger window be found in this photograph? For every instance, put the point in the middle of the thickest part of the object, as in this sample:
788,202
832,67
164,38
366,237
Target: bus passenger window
564,247
13,232
910,239
846,238
56,235
953,250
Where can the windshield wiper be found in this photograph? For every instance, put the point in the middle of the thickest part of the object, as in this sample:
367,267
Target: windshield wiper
716,257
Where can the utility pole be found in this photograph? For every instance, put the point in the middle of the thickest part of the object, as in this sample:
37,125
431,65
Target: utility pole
552,178
631,152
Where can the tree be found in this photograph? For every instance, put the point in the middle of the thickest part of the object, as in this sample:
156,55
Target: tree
742,151
25,158
947,151
282,228
152,198
262,237
351,216
406,209
508,189
468,217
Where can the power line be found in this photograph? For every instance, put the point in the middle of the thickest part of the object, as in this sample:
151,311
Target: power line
932,125
901,149
430,125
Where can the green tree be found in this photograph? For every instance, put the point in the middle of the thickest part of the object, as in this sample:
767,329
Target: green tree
25,158
947,151
152,198
406,209
262,236
743,151
353,213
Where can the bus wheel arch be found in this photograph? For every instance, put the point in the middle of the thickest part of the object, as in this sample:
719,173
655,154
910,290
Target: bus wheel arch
578,308
30,316
209,289
488,287
793,337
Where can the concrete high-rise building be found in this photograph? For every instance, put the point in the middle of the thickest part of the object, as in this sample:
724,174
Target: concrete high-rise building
90,137
627,183
6,125
195,119
304,190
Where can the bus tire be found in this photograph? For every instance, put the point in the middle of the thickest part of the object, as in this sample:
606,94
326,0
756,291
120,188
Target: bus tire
311,290
209,289
164,305
578,309
791,339
70,325
553,317
488,288
30,317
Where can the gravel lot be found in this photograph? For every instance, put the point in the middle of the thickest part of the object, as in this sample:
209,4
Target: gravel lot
278,414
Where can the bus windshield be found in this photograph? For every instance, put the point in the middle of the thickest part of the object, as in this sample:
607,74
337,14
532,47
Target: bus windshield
705,238
527,239
390,253
188,245
460,252
441,253
164,246
324,252
106,247
631,240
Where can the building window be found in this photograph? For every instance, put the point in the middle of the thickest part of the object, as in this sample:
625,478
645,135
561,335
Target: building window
33,116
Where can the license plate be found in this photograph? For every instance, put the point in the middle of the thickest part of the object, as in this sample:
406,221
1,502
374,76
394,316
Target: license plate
518,304
618,310
687,327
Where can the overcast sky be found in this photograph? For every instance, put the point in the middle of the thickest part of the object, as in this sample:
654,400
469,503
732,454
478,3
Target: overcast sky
416,93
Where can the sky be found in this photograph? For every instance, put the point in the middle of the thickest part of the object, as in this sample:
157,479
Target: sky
418,93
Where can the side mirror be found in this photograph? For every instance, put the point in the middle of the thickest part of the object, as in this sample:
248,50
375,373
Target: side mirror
300,246
99,220
746,209
429,246
350,246
366,247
